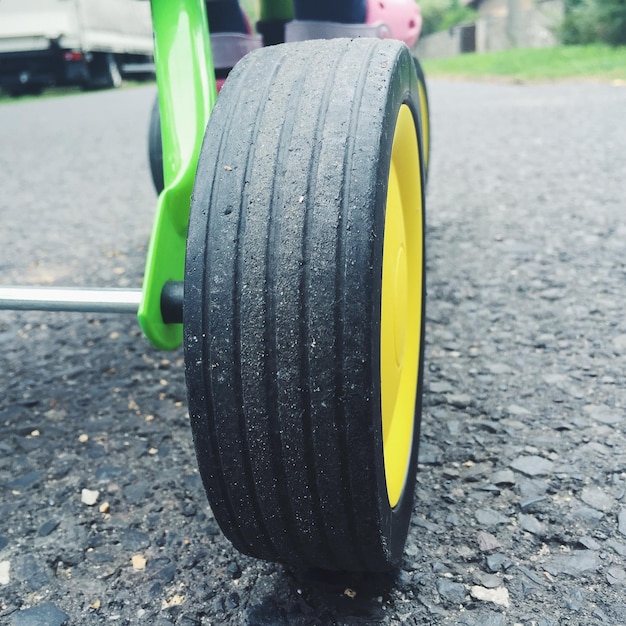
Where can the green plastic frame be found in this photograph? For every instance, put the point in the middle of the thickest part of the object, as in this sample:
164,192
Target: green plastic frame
187,93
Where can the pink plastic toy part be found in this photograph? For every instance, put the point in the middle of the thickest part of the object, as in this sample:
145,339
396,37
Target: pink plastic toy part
403,17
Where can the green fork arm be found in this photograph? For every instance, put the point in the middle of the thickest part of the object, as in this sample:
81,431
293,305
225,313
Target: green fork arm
187,93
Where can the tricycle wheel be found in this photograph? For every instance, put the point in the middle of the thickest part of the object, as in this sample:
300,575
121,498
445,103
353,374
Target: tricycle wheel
425,113
304,303
155,149
104,72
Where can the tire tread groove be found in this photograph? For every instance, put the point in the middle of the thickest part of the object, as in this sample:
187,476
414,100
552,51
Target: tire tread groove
340,299
237,293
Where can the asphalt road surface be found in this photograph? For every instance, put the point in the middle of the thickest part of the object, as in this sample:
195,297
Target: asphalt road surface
520,514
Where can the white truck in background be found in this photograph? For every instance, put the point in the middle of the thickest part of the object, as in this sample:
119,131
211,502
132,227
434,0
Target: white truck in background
89,43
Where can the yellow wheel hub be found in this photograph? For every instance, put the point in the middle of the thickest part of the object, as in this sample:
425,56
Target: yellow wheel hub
401,306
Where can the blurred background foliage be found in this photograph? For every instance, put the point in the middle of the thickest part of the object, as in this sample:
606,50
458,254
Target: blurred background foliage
440,15
593,21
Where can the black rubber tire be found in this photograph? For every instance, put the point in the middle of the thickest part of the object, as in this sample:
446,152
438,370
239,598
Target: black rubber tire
104,72
155,147
28,89
425,115
282,304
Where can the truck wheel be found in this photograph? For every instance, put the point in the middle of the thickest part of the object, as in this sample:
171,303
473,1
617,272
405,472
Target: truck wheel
155,148
425,113
304,303
28,89
104,72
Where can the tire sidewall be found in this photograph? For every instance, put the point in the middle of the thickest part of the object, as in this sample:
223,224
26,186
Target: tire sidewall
403,91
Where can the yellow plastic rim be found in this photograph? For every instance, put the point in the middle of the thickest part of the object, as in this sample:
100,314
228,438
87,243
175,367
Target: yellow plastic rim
401,305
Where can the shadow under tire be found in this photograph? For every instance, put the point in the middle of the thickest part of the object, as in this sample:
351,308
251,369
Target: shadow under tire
304,304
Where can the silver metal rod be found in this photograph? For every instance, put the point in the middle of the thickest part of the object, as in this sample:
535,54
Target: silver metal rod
70,299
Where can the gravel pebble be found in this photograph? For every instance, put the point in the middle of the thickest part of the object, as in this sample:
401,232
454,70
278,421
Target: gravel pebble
616,576
5,572
621,520
451,591
43,615
487,542
499,595
590,543
597,498
234,570
531,524
602,413
480,618
459,400
490,581
520,411
573,564
134,540
618,546
503,477
575,600
28,569
89,496
532,465
495,561
47,527
139,562
489,517
25,480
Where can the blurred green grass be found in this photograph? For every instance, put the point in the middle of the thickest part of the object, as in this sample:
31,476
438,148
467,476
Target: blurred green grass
537,64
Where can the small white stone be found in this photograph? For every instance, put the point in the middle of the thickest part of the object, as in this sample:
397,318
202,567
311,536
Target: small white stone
89,497
499,595
5,567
